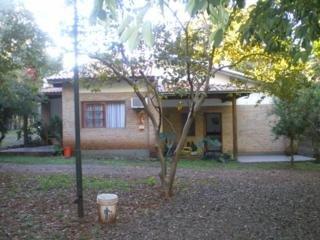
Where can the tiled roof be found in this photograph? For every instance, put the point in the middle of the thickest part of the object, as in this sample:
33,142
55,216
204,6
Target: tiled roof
51,90
226,88
213,88
65,76
62,75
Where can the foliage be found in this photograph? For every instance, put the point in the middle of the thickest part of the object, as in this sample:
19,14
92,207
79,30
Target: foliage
55,128
208,141
23,63
291,121
286,25
309,102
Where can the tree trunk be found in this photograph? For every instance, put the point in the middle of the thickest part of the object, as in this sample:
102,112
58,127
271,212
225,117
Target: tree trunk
25,130
316,150
291,151
176,157
163,171
2,136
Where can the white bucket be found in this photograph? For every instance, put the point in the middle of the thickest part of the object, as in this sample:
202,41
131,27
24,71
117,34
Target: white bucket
107,207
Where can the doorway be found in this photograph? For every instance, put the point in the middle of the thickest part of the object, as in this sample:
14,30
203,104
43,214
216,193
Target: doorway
214,131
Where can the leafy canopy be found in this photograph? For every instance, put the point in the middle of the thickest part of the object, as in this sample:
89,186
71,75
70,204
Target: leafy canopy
285,25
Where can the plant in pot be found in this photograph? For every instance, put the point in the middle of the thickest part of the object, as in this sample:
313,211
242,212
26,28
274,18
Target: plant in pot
208,142
194,149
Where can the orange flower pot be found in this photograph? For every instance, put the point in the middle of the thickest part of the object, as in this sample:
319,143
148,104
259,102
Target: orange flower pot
67,152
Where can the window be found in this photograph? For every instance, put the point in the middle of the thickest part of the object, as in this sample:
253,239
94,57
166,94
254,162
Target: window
103,114
115,115
94,116
192,130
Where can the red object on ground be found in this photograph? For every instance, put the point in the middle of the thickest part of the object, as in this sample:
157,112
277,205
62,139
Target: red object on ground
67,151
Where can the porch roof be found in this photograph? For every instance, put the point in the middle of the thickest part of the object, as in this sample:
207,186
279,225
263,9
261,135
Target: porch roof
220,91
52,91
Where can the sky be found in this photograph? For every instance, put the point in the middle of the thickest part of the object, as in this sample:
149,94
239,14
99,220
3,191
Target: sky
53,16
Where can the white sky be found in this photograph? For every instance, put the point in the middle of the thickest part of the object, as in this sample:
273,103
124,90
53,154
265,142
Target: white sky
53,15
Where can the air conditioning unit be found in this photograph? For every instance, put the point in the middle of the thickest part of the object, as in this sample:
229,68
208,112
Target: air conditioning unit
136,103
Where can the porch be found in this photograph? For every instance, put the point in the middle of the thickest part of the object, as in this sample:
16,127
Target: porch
217,119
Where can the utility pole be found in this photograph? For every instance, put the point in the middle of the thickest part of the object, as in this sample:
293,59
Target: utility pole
79,200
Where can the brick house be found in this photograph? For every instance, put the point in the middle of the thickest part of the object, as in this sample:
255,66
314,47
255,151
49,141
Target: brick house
112,125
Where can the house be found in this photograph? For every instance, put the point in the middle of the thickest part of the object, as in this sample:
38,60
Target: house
113,123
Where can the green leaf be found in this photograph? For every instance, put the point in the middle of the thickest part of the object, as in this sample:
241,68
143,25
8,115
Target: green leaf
124,24
218,37
142,12
133,41
196,5
214,3
147,33
190,6
127,33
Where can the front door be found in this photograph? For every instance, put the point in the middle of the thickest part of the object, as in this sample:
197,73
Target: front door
214,131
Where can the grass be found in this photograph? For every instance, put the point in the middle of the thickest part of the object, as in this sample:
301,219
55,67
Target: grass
187,164
209,164
64,181
35,160
62,160
57,181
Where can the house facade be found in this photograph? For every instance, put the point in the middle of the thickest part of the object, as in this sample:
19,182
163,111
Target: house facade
111,125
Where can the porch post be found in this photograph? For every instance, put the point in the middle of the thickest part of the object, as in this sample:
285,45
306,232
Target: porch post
234,126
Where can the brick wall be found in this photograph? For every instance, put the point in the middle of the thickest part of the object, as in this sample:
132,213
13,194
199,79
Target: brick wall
129,137
254,126
254,130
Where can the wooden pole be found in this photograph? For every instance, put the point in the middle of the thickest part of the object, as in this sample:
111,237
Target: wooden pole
79,200
234,126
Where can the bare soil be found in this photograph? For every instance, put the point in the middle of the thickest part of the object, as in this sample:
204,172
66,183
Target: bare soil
219,204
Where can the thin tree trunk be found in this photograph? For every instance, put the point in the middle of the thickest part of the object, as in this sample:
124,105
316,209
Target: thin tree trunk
25,130
163,171
2,137
176,157
291,151
316,150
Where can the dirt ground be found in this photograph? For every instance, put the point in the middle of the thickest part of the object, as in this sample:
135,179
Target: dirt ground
215,204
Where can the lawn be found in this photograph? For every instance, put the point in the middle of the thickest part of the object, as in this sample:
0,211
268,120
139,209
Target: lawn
185,164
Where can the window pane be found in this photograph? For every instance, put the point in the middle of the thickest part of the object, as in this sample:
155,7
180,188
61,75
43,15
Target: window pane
116,115
89,123
99,123
94,116
98,115
89,115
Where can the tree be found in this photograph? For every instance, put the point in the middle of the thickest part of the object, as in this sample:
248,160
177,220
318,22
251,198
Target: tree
185,51
285,26
291,122
23,63
309,102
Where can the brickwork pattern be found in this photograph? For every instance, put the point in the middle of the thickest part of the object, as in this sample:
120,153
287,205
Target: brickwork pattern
129,137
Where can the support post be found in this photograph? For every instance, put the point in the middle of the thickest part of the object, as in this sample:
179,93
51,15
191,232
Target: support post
234,126
79,200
